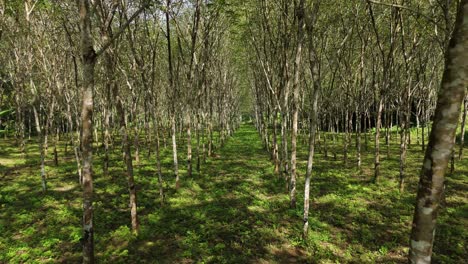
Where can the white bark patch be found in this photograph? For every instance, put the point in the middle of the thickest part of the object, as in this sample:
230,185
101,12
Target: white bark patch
440,153
420,245
450,126
425,260
87,227
427,210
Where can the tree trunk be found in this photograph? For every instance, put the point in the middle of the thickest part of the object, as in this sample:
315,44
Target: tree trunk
377,141
174,152
106,138
418,141
296,91
313,128
345,138
387,132
210,137
366,139
158,161
405,123
56,142
130,178
174,93
89,61
41,149
463,124
358,138
136,143
423,136
275,144
441,141
284,163
189,146
199,130
325,144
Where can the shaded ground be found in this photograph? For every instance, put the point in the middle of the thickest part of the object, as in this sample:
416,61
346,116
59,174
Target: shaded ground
234,211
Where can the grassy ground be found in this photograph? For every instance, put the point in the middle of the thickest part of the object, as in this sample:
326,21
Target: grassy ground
234,211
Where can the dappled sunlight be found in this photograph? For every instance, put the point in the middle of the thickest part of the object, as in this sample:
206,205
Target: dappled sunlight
236,210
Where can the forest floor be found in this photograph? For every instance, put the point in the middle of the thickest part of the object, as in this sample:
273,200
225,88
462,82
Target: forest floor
234,211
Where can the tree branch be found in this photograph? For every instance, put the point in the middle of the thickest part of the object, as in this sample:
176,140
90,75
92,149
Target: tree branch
430,19
122,29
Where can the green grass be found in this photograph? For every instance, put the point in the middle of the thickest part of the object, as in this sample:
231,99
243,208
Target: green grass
234,211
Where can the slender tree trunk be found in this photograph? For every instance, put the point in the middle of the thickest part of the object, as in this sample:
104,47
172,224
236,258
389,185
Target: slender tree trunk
56,142
275,144
210,137
158,161
405,126
366,140
20,126
203,140
127,156
358,137
130,178
284,146
441,141
174,93
335,132
41,148
189,146
452,158
89,61
377,141
312,132
463,125
199,129
418,138
423,136
345,138
405,119
74,143
387,132
136,141
29,127
265,134
325,144
174,152
296,91
106,138
310,162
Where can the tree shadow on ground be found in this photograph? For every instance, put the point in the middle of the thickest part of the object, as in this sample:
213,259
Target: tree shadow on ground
234,211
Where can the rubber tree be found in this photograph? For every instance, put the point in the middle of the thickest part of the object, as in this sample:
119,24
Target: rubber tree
89,58
315,73
441,141
296,90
